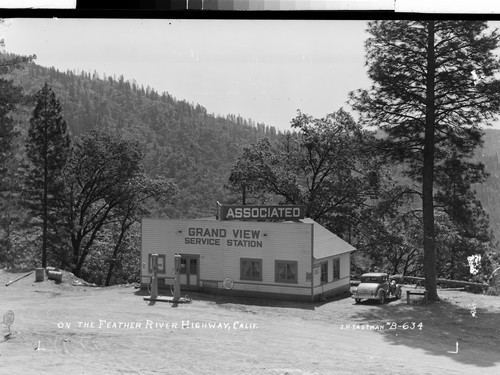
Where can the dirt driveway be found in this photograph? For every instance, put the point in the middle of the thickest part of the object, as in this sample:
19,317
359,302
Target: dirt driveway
66,329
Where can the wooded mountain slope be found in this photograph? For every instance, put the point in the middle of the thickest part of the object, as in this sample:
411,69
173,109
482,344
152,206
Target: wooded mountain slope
181,140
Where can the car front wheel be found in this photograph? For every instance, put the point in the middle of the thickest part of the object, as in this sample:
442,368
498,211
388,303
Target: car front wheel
381,296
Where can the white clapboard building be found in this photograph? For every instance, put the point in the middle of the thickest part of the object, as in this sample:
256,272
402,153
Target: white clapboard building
295,259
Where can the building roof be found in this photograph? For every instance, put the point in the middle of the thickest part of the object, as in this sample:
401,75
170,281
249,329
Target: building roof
326,243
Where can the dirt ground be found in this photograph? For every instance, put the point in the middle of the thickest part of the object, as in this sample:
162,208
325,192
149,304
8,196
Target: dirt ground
68,328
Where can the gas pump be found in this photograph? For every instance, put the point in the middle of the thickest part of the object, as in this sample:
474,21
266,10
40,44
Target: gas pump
176,299
154,279
177,282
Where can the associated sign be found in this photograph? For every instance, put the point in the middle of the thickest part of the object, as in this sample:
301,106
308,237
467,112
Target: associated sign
261,212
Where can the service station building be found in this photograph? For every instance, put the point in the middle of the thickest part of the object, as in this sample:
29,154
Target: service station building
286,256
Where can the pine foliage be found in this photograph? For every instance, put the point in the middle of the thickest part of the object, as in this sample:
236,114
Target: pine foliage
433,86
180,140
47,150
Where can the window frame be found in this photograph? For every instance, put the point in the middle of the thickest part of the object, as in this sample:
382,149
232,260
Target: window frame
294,263
336,275
323,272
196,266
252,277
183,270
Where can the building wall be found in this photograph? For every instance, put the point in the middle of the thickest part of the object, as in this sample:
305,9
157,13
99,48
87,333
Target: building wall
280,241
332,286
221,244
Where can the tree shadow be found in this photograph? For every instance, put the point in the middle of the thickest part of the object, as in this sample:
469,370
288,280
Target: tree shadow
445,326
20,270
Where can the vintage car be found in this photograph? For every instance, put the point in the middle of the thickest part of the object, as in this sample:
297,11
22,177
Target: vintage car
377,286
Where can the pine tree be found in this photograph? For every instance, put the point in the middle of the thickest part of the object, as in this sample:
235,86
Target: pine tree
433,86
11,99
47,148
10,96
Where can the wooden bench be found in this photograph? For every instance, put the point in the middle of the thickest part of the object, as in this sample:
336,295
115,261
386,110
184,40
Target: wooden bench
420,292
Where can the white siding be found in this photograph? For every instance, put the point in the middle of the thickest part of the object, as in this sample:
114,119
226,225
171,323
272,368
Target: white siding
345,265
169,237
277,288
280,241
344,274
153,240
261,240
339,285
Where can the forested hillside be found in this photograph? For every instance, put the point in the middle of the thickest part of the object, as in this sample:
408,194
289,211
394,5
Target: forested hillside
489,192
181,140
186,146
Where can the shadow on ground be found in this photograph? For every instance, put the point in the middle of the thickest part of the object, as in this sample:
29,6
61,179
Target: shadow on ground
445,326
19,270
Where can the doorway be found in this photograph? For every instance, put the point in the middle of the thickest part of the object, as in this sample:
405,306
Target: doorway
190,270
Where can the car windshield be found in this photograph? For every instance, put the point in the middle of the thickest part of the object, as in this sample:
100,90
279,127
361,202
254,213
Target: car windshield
371,279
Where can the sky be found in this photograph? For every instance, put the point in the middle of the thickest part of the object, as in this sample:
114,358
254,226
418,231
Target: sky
260,69
265,70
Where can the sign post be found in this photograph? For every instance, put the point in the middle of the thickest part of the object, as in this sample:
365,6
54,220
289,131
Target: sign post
154,280
177,283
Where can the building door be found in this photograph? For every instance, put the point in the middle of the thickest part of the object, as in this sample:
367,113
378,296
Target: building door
189,273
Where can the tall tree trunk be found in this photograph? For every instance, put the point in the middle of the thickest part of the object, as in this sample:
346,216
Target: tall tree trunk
45,224
45,198
124,228
76,242
79,265
452,263
428,171
8,239
111,267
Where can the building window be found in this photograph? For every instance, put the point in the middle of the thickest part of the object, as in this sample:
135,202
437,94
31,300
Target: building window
250,269
324,272
193,266
336,269
286,271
